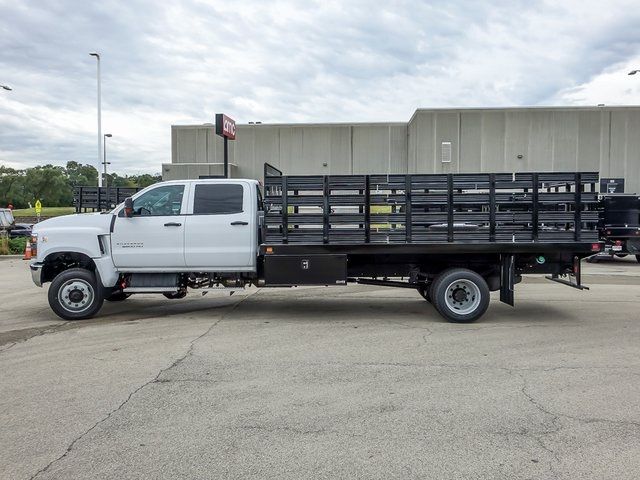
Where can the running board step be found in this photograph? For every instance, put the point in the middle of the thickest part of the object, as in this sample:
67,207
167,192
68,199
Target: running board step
150,290
231,290
569,283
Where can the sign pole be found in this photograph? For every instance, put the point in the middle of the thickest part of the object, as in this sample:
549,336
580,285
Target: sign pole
226,128
226,157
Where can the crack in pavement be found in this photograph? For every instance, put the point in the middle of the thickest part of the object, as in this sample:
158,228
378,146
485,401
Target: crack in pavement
11,345
587,420
114,317
155,379
538,437
20,336
555,418
299,431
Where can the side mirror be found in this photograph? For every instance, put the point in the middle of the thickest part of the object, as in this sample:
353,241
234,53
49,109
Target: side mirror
128,207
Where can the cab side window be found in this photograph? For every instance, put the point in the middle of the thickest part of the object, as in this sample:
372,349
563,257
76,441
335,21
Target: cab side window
161,201
218,199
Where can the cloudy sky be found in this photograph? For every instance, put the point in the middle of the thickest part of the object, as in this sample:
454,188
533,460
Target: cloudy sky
179,62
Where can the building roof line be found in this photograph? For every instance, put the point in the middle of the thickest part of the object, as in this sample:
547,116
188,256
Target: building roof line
524,108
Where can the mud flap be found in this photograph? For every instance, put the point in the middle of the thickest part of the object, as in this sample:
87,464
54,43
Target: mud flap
507,268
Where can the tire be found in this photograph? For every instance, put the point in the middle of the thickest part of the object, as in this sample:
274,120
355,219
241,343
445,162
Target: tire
75,295
638,258
117,297
621,255
176,295
460,295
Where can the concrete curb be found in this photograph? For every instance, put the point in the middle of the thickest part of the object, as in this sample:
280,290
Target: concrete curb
10,257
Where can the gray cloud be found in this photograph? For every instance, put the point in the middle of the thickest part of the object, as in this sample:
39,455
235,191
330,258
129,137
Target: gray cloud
286,60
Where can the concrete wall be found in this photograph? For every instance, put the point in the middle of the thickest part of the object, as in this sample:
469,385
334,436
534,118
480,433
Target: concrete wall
304,149
604,139
543,139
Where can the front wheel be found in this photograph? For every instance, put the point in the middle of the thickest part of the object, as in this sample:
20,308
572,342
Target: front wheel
460,295
75,295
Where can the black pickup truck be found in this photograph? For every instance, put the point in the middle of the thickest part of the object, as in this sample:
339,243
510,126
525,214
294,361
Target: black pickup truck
619,226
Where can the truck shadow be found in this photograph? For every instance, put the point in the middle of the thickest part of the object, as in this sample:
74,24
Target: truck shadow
396,310
312,306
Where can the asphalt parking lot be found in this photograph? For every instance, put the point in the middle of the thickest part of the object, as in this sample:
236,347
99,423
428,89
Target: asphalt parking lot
342,382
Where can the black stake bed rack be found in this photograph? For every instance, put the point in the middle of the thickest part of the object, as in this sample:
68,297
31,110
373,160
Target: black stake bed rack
484,208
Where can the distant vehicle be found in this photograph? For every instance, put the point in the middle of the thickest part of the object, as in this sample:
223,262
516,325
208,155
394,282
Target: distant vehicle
451,237
20,230
6,218
619,226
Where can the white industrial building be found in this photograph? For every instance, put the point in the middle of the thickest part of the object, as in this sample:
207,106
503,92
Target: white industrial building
603,139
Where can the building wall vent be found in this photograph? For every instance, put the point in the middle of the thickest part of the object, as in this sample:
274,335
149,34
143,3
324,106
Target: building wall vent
446,152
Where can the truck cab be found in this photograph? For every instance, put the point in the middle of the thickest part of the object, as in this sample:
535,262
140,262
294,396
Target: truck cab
204,225
164,238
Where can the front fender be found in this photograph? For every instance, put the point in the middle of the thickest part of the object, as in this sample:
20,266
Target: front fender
89,242
80,240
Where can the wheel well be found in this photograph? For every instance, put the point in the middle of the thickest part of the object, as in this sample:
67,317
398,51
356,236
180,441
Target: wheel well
58,262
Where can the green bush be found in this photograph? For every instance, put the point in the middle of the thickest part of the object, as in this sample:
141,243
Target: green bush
17,245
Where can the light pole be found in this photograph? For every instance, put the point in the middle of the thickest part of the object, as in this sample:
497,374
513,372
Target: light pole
104,162
633,72
97,55
6,87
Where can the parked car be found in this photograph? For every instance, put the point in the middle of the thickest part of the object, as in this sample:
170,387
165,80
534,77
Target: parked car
20,230
6,218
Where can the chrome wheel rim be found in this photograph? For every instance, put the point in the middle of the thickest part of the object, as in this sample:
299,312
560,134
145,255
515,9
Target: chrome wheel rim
462,297
76,295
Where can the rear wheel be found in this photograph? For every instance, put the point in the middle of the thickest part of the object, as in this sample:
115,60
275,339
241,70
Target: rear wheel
621,255
638,258
75,295
460,295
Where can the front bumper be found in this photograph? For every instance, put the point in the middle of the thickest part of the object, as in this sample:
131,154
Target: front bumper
36,273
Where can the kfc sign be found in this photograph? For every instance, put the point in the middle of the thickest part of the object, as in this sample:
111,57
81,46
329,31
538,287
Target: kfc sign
225,126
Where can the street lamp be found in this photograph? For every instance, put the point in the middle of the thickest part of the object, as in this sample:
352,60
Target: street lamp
97,55
633,72
104,162
6,87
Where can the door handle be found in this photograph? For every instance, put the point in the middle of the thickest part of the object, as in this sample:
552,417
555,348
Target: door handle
239,222
172,224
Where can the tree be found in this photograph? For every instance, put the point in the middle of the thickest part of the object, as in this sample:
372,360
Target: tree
12,189
80,174
53,185
115,180
145,179
48,184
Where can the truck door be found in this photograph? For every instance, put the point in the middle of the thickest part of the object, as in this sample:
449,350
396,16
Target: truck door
220,232
153,238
